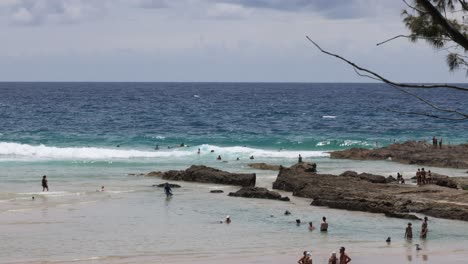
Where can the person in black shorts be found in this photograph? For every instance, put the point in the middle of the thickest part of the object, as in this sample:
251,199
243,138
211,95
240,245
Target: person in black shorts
45,186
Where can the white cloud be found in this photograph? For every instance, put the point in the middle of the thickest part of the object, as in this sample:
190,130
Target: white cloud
38,12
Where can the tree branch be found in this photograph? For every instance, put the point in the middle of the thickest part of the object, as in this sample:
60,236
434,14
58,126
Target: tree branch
410,37
399,86
438,18
385,80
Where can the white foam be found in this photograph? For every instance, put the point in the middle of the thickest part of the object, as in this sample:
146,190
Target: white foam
261,153
328,117
15,151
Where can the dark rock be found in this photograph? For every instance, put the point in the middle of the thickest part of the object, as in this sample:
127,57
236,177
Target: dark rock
264,166
170,185
216,191
210,175
390,179
365,176
257,192
411,152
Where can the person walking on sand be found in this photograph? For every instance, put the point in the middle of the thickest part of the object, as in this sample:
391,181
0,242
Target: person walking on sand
424,228
434,142
409,232
429,177
45,185
344,258
440,143
418,177
324,225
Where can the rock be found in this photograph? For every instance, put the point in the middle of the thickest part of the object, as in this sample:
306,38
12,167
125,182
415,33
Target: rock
210,175
257,192
264,166
154,174
390,179
216,191
170,185
365,176
403,216
411,152
351,192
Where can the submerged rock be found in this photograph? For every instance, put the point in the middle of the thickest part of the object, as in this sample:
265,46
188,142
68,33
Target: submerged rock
257,192
210,175
264,166
154,174
170,185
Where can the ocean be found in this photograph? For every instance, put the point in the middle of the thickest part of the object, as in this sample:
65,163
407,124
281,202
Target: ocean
86,135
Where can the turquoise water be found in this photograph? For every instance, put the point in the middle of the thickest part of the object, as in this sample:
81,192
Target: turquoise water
85,135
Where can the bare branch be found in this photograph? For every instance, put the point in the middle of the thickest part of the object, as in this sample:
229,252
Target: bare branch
410,37
363,72
385,80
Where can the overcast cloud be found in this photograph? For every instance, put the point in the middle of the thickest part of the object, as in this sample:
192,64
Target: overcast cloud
207,40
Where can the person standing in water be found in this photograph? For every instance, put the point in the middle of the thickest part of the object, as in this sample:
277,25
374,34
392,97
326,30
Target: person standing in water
424,228
324,225
311,226
198,152
219,157
409,232
45,185
167,189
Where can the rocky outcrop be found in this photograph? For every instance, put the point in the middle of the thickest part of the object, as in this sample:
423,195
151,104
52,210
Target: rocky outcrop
411,152
351,192
264,166
260,193
210,175
216,191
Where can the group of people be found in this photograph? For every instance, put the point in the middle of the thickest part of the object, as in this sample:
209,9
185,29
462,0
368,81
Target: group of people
434,142
343,259
424,230
423,177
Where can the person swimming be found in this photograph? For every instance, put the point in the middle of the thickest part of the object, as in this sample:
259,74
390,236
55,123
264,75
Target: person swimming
298,222
219,157
311,226
198,152
388,240
228,219
252,157
102,188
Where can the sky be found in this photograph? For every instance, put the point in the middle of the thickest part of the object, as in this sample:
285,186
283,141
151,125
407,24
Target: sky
209,41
